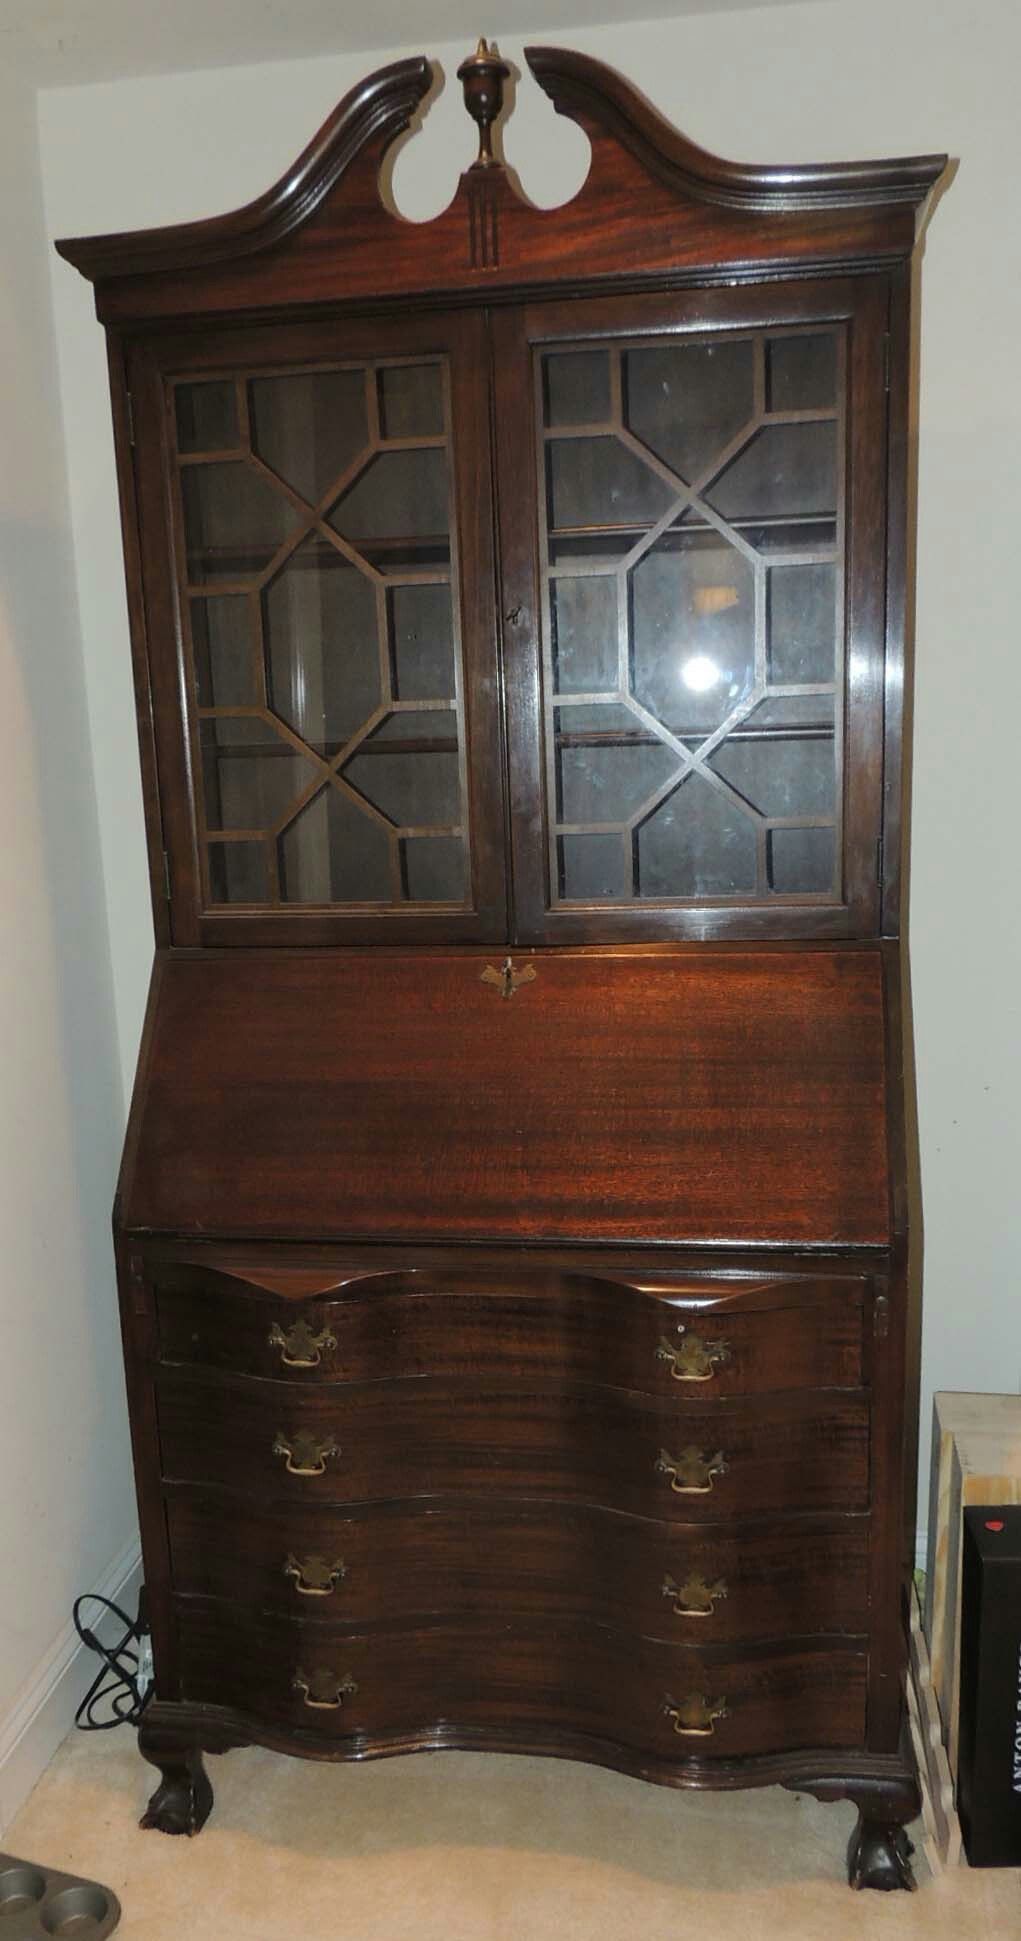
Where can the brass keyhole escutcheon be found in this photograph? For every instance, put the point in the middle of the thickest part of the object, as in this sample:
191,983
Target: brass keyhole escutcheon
508,980
692,1472
299,1347
695,1360
694,1598
315,1576
694,1717
323,1691
305,1454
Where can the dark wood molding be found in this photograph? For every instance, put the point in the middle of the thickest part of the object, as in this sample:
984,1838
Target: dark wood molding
379,109
583,89
885,1781
654,204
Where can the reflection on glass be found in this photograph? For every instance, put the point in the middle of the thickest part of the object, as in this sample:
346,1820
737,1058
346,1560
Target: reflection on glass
779,777
802,371
584,623
323,671
234,521
433,869
237,872
324,635
207,417
577,388
687,401
422,640
785,471
225,652
699,673
608,765
408,768
594,868
400,499
696,844
693,500
801,859
333,852
692,630
251,775
802,623
310,426
597,481
411,401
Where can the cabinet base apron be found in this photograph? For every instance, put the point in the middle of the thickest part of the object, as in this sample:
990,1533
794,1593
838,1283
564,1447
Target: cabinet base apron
883,1786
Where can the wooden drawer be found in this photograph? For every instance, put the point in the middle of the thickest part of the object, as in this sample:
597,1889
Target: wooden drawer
703,1585
436,1682
725,1338
387,1440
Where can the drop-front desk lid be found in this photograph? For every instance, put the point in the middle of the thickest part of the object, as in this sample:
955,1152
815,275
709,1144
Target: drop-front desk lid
691,1095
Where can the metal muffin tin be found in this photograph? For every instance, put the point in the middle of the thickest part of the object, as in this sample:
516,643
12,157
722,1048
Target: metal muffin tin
36,1902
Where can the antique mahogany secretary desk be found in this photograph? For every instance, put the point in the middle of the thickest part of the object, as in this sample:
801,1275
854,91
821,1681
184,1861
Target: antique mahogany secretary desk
511,1231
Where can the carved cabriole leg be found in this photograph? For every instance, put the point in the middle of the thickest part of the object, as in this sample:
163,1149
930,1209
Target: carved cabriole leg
879,1855
183,1800
879,1851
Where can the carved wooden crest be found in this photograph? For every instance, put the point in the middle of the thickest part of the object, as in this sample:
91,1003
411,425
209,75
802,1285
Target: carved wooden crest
325,233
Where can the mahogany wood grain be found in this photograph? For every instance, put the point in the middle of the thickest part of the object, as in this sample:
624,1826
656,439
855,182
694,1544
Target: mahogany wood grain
898,670
884,1783
790,1576
410,1678
499,1205
539,1324
705,1276
699,1097
496,1439
652,202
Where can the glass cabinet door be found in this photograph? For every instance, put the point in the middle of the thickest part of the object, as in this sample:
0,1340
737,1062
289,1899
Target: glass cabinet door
334,606
701,578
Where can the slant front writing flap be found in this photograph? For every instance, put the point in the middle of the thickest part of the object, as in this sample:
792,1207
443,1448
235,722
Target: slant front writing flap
665,1096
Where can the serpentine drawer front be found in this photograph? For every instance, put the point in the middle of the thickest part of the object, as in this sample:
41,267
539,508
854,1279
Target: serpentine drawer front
743,1337
403,1680
671,1459
699,1584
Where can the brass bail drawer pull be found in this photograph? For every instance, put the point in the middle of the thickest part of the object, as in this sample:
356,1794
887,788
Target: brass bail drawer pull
695,1360
694,1717
305,1454
299,1347
323,1691
694,1598
314,1576
691,1473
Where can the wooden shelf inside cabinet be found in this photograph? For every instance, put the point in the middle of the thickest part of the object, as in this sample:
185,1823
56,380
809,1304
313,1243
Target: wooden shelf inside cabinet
515,1180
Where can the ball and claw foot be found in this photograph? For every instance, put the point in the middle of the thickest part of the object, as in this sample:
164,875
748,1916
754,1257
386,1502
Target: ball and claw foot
183,1800
879,1855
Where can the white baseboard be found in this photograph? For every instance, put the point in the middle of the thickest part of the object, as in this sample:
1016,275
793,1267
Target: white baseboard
43,1714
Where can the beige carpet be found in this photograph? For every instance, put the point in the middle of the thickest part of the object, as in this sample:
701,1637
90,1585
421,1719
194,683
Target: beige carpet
461,1847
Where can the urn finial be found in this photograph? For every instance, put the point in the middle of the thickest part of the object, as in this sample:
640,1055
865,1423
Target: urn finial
482,77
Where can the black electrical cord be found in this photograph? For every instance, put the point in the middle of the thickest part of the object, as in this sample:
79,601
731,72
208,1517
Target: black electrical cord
120,1686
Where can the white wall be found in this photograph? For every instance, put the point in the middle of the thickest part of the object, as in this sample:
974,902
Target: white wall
852,78
67,1517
